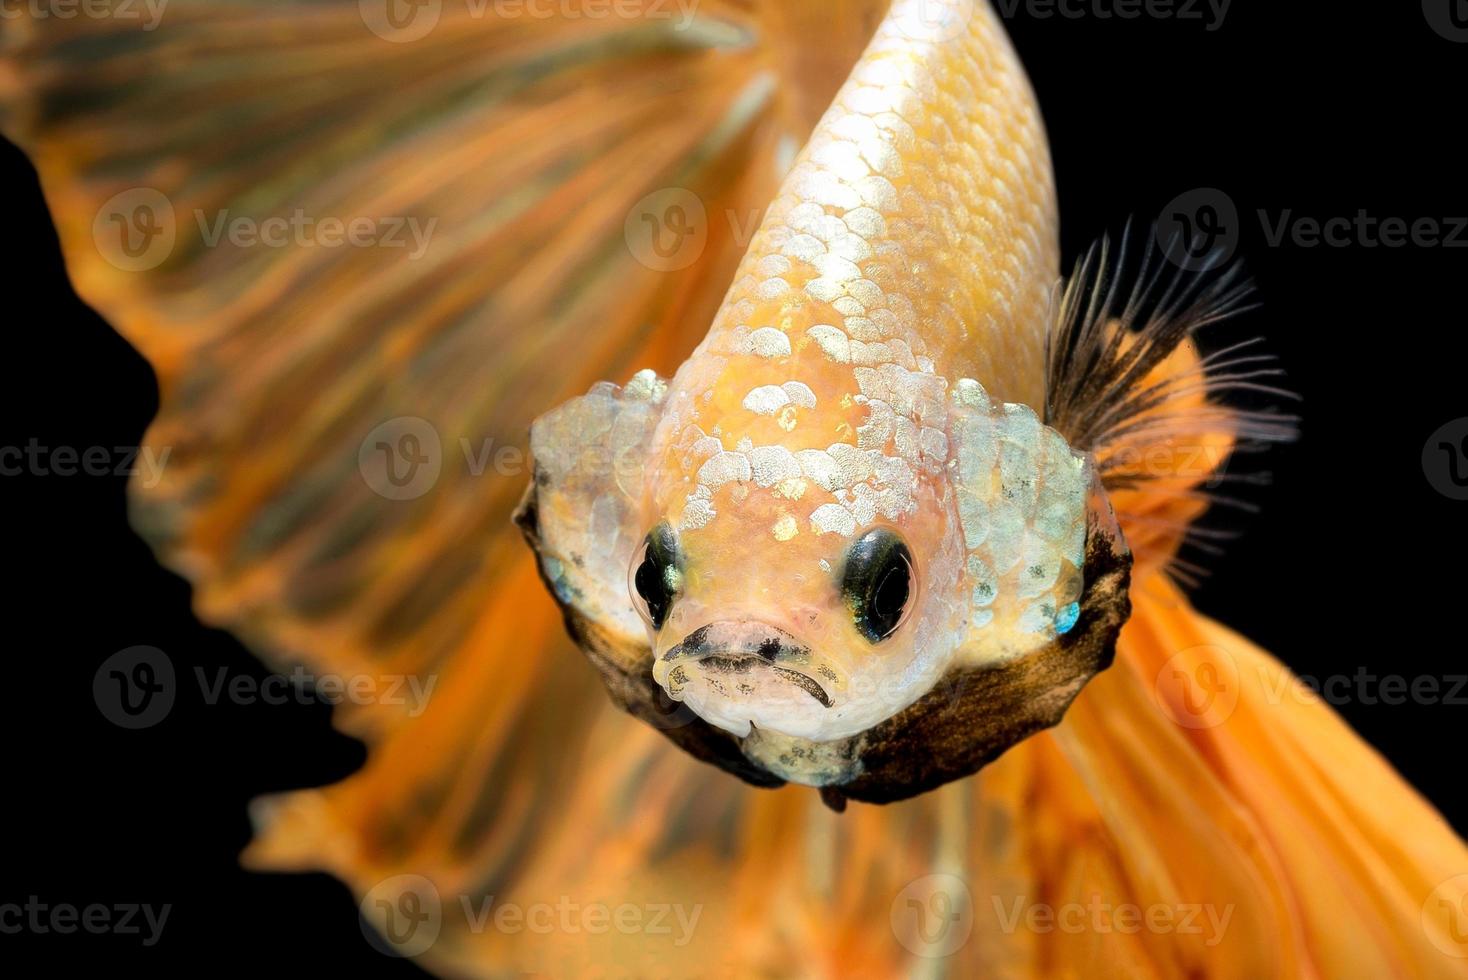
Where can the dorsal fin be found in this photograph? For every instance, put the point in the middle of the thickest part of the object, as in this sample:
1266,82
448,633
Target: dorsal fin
1126,382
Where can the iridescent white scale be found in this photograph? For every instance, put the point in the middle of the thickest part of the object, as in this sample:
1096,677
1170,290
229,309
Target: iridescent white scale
1021,495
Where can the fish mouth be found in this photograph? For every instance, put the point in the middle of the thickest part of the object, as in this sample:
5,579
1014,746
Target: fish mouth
734,668
740,675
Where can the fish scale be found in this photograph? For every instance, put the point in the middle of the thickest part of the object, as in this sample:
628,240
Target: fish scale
912,243
922,209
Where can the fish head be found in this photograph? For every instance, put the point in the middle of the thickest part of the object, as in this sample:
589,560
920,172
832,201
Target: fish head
792,579
796,573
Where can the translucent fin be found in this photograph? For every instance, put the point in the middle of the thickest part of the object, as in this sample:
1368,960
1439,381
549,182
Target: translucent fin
1198,776
1126,382
361,265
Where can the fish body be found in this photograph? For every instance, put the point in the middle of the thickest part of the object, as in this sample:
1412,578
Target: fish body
859,417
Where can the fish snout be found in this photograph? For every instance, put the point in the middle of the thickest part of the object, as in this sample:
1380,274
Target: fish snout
738,673
740,639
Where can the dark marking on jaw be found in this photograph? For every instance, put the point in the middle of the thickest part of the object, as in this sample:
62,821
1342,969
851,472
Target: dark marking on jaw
806,684
726,665
781,648
695,643
743,665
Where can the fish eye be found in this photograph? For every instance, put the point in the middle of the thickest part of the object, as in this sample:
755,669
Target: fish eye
879,583
655,576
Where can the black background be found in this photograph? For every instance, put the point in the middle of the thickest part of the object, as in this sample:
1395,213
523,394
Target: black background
1353,562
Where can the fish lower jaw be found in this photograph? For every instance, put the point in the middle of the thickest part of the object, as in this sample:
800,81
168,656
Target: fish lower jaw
748,697
740,694
801,741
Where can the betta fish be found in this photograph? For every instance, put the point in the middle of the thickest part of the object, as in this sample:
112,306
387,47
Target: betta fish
858,554
873,556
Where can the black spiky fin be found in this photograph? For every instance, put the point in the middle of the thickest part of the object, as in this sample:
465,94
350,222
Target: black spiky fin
1127,381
